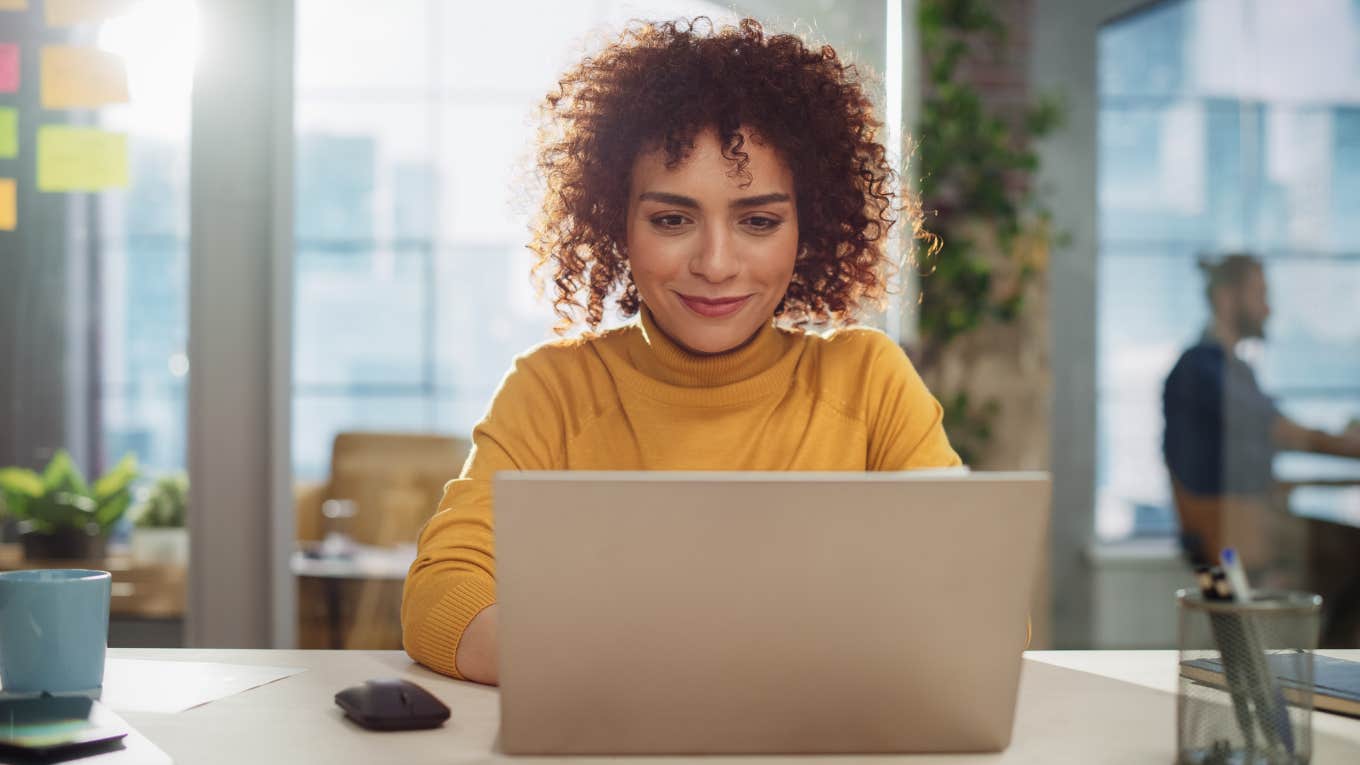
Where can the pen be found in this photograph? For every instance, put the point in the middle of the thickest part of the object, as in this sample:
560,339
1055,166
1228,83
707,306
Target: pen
1236,649
1226,633
1271,709
1237,576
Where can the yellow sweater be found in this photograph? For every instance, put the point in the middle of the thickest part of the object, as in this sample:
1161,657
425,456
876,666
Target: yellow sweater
631,399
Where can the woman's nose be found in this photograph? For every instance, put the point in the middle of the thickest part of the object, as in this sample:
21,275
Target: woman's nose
717,259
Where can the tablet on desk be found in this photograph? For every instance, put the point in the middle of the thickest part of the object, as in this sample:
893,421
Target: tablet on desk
55,726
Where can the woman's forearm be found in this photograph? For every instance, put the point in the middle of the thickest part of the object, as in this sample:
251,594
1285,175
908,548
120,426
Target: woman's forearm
478,655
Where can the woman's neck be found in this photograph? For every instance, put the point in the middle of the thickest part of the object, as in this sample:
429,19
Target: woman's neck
660,356
704,354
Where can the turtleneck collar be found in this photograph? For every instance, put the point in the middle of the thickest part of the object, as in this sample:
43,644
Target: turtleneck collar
661,358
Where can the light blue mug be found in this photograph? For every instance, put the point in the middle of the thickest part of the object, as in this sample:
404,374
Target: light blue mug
54,628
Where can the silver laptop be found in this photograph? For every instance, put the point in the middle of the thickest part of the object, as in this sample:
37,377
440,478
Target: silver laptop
707,613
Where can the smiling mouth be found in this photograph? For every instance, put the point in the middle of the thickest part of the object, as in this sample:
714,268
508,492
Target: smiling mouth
713,308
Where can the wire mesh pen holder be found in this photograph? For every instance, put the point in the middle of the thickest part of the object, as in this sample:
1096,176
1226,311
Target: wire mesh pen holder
1246,677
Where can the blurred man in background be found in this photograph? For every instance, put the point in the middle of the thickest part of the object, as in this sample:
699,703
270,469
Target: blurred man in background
1223,431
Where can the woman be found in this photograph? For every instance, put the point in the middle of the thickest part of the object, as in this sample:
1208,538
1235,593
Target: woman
725,187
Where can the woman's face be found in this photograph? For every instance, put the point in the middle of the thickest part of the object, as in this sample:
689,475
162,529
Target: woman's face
712,256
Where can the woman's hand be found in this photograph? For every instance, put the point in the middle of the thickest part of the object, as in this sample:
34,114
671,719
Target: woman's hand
478,656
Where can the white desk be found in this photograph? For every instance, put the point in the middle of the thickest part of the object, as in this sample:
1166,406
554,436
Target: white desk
366,562
1105,707
1321,488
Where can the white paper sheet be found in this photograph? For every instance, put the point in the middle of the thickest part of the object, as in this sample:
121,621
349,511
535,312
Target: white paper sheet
136,749
146,685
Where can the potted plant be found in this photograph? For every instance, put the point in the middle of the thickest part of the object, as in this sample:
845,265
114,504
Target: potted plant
159,535
59,515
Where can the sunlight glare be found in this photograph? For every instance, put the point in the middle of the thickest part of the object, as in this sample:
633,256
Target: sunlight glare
158,41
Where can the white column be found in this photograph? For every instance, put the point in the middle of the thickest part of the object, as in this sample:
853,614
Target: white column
240,287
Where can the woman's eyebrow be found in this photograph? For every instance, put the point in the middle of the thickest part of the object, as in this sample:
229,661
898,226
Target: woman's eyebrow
761,199
669,199
680,200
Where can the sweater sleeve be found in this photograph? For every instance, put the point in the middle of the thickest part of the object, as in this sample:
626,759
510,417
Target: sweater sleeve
453,577
905,422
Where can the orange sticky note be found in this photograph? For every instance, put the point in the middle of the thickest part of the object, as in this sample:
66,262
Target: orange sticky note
9,217
81,159
13,5
82,78
9,67
65,13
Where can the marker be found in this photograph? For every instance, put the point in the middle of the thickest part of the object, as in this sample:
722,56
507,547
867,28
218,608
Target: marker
1271,709
1227,631
1237,576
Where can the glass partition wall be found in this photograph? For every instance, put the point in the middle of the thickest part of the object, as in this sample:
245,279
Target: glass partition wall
1227,127
94,144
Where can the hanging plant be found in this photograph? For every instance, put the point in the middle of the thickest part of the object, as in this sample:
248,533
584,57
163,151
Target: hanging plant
977,167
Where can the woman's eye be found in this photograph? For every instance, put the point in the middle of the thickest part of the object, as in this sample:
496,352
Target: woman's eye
761,222
668,221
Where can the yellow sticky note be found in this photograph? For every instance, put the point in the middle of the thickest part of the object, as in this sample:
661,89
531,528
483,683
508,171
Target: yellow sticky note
82,78
13,5
9,133
81,159
9,217
65,13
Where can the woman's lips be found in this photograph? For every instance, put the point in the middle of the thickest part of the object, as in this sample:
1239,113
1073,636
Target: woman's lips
714,308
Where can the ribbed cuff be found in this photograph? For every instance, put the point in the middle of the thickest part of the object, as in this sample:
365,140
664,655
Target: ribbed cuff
439,630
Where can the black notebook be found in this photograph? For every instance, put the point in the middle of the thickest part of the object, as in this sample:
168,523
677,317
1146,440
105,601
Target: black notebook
1336,682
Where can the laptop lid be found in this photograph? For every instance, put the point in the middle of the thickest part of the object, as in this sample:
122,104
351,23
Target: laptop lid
696,613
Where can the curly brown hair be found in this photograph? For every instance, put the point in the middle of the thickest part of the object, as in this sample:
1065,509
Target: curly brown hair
658,86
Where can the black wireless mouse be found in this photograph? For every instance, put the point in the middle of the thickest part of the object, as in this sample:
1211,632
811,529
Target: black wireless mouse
392,704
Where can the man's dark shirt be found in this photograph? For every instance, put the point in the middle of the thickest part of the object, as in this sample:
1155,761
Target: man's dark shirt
1219,424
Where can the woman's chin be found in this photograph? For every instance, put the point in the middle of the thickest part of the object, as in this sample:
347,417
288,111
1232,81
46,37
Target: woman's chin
706,335
709,341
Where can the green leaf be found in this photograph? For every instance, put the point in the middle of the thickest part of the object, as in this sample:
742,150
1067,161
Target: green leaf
62,509
1044,116
39,526
117,479
16,480
18,489
62,474
111,508
166,505
14,506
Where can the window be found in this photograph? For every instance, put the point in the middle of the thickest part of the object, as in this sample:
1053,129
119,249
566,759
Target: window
414,127
143,241
96,280
1214,137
